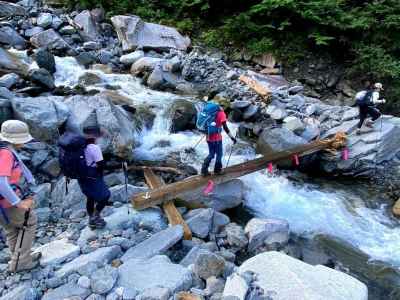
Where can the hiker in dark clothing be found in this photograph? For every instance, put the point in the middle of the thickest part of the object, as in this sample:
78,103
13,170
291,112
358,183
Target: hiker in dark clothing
366,101
93,186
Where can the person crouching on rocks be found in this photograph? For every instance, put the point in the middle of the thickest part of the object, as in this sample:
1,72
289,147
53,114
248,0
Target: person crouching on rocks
93,186
16,214
366,101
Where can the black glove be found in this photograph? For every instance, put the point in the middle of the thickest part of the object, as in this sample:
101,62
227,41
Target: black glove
234,140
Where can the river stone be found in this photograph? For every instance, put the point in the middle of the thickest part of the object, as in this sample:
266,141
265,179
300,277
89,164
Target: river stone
278,139
200,221
157,271
130,58
219,222
119,193
266,232
10,63
24,291
73,197
89,78
50,39
67,291
289,278
350,114
144,65
156,293
134,33
45,59
44,20
293,124
8,9
103,280
9,80
156,79
192,255
88,24
57,252
8,36
208,264
251,112
236,236
240,104
43,78
44,115
236,287
67,30
32,31
157,244
100,257
276,113
347,127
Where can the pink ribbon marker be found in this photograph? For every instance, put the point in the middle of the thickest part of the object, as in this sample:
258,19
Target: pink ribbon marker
345,154
209,188
296,160
270,168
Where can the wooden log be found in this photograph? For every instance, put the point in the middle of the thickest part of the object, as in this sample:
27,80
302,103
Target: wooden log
160,169
173,215
182,188
260,89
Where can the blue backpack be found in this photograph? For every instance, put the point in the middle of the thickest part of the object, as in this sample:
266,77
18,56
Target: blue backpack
72,156
206,119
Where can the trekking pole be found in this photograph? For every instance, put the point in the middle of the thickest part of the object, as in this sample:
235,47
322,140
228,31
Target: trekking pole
21,235
195,146
230,154
125,170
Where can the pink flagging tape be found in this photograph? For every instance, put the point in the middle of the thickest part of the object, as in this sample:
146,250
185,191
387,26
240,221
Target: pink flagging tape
296,160
270,168
209,188
345,154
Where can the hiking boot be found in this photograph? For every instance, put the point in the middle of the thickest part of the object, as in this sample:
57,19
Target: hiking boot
36,256
370,124
204,171
358,131
92,222
100,223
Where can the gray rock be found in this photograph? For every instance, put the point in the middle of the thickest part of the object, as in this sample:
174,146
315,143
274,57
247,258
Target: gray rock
133,33
266,232
156,79
236,286
73,197
6,112
295,89
276,113
67,291
130,58
88,24
232,75
86,58
310,133
10,63
115,179
44,20
200,221
278,139
45,59
8,36
9,80
293,124
183,114
219,222
251,112
84,282
289,278
119,194
100,257
350,114
56,22
105,56
156,293
22,292
240,104
57,252
208,264
191,257
50,39
43,78
42,195
157,244
145,65
32,31
236,236
43,214
214,285
91,45
8,9
44,115
89,78
95,297
67,30
103,280
155,272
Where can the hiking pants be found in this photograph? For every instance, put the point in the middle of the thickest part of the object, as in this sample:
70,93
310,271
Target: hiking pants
214,150
91,203
366,111
16,218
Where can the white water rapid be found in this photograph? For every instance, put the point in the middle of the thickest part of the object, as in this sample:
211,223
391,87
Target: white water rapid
308,208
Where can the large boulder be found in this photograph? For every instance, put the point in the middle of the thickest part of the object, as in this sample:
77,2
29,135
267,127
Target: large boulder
130,58
57,252
67,291
44,20
183,116
50,39
158,271
10,63
145,65
8,9
288,278
45,59
99,109
43,78
89,29
44,115
200,221
278,139
134,33
8,36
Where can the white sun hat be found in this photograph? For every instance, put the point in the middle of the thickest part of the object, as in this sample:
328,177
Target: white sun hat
378,85
15,132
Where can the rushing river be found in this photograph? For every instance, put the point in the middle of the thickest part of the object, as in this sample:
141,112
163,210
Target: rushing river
310,208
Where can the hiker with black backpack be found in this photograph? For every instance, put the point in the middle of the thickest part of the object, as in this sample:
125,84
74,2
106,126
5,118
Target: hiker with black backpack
82,159
17,216
210,121
366,101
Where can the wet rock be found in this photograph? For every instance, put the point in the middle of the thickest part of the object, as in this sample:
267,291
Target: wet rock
44,20
156,79
184,115
45,60
67,291
50,39
134,33
10,37
156,293
267,232
154,272
286,276
10,63
236,286
9,80
86,58
99,257
57,252
156,244
43,78
89,30
236,236
131,58
89,78
103,280
208,264
8,9
105,57
145,65
43,115
200,221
